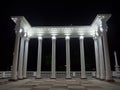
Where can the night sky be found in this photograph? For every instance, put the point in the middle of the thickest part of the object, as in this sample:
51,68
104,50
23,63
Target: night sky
58,14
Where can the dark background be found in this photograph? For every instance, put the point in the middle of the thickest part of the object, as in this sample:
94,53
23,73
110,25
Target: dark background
44,13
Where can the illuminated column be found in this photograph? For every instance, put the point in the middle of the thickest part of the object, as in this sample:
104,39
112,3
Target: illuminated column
20,65
53,66
25,58
102,63
68,57
116,62
97,57
15,57
107,57
38,74
83,73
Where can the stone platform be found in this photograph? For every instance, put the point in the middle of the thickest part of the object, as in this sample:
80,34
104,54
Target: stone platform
60,84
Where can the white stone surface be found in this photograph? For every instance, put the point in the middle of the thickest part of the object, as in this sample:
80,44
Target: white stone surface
53,66
21,55
38,74
97,58
68,58
83,73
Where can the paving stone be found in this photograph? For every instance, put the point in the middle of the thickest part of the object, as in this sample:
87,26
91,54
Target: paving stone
40,89
76,88
59,84
20,89
90,86
95,89
59,89
74,84
45,86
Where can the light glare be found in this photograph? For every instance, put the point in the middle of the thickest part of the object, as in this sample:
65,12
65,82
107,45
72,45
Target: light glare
53,37
20,30
39,37
81,37
67,37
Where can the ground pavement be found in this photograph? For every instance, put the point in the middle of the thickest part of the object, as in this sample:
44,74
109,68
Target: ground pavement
59,84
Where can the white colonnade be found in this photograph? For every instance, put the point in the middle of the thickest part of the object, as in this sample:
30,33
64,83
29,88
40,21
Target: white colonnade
103,68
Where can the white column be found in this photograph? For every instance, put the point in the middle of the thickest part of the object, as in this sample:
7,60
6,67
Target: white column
15,57
25,58
102,63
107,57
97,57
83,73
38,74
53,66
20,65
68,57
116,62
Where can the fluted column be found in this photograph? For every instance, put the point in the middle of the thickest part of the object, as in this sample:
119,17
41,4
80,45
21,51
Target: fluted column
53,66
25,58
83,73
15,57
97,57
38,74
68,57
102,62
20,65
107,57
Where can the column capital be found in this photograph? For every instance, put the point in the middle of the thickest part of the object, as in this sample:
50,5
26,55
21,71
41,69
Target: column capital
67,37
53,37
81,37
95,37
18,24
27,38
40,37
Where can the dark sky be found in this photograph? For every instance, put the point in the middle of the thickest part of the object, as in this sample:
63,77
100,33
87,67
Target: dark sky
57,14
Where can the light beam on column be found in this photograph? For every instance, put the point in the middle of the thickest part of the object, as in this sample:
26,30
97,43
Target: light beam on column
83,73
102,63
25,58
107,57
53,66
38,74
15,57
20,67
67,57
97,57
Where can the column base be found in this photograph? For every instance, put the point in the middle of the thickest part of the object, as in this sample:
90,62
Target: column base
53,78
12,79
110,80
83,78
97,78
101,79
68,77
24,77
20,78
38,78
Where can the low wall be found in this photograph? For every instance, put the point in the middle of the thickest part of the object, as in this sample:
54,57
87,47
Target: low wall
59,74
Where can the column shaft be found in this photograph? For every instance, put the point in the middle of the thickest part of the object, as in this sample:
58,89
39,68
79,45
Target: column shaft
15,58
20,65
53,75
68,58
102,63
97,58
38,74
25,58
83,73
107,57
